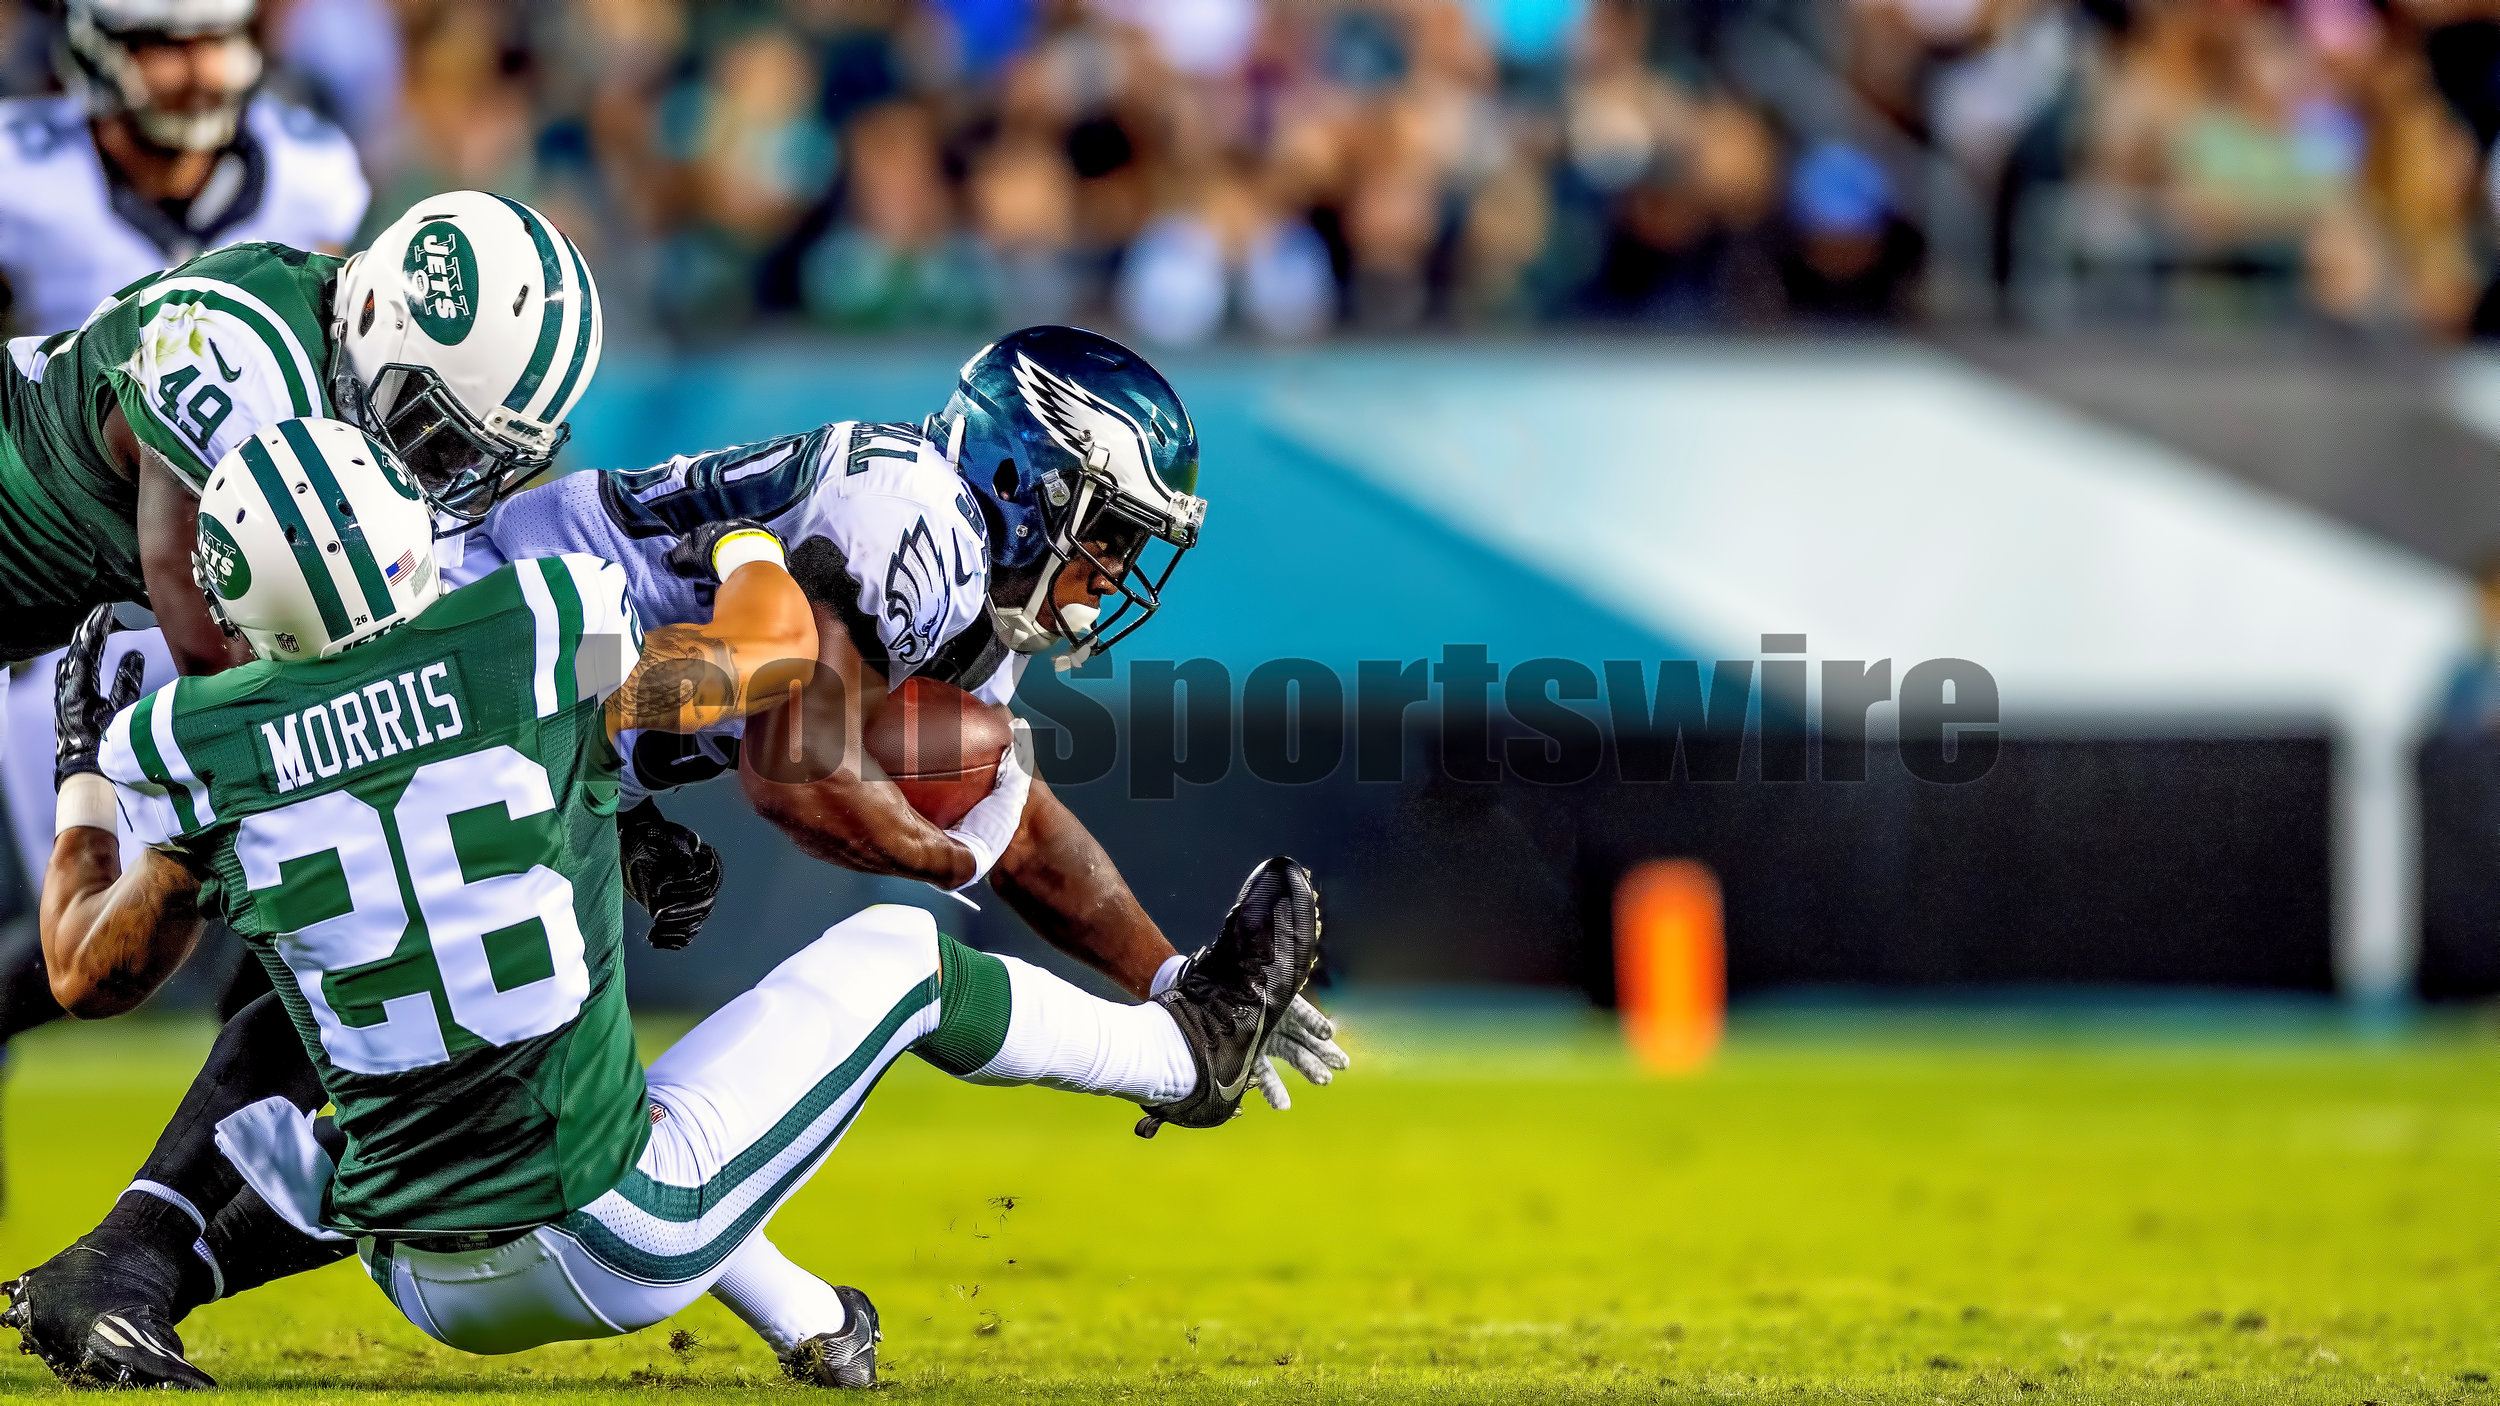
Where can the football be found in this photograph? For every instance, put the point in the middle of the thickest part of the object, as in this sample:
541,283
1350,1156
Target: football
941,745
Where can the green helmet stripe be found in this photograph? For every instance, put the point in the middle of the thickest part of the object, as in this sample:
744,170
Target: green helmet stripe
308,560
584,323
551,318
378,602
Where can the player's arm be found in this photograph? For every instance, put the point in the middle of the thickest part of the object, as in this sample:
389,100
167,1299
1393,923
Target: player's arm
850,813
691,677
1058,878
169,528
110,937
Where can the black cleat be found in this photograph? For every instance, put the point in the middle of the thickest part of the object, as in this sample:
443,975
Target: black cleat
99,1315
844,1359
1236,988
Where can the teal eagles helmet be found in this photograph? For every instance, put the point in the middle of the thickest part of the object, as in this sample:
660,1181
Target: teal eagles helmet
1076,450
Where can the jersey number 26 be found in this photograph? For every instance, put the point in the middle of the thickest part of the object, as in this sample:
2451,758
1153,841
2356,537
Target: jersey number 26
336,877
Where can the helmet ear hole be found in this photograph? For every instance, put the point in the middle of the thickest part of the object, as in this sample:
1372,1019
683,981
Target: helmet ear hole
364,320
1004,482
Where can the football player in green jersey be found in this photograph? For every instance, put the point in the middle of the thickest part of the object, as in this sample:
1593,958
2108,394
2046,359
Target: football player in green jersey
407,810
462,338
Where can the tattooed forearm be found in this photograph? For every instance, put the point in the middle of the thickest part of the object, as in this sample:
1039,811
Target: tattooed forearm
687,677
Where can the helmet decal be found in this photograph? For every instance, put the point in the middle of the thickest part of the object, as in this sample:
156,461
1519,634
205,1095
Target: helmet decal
1074,452
228,571
442,271
486,331
1081,422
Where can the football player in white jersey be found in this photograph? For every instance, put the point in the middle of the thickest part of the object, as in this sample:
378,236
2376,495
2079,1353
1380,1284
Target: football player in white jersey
956,549
163,148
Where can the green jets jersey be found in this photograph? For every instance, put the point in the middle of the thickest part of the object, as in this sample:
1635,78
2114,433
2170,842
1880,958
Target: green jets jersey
199,359
418,837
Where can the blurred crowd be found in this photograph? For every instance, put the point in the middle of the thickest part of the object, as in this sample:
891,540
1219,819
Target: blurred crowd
1189,169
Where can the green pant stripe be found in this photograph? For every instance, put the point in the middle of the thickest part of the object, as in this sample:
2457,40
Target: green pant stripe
974,1005
378,1264
688,1203
633,1262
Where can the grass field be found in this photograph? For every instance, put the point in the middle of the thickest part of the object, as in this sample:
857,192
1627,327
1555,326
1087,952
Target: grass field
1894,1211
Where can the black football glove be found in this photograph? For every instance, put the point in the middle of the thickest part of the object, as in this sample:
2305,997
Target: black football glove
691,557
670,871
82,706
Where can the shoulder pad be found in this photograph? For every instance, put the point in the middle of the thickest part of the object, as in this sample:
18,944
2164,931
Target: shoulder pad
213,366
760,481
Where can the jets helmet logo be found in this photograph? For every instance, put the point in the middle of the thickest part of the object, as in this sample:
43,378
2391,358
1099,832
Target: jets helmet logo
441,271
222,566
1082,422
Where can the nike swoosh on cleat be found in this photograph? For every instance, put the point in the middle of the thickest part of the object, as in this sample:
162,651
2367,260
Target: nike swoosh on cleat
1235,1088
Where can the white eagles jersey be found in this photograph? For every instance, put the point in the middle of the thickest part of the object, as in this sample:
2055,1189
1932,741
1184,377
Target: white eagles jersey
71,236
874,517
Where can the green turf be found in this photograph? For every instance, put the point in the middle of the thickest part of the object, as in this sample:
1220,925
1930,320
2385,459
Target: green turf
1893,1213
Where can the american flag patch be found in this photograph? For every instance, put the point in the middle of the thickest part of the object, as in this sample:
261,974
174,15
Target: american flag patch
392,571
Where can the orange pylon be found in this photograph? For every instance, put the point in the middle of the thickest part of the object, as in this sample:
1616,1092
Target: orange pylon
1670,963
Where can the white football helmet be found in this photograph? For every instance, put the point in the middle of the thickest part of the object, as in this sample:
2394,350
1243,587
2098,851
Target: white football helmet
96,63
463,338
314,539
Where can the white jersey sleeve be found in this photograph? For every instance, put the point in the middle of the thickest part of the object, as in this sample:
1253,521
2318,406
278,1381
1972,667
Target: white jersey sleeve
144,791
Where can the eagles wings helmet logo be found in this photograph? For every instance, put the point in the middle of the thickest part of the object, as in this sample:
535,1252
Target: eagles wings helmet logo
915,596
1080,421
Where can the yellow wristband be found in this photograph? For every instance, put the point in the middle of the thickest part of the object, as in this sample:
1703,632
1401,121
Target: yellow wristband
747,545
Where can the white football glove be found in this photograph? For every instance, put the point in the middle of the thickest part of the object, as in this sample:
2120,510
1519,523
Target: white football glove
1305,1039
991,824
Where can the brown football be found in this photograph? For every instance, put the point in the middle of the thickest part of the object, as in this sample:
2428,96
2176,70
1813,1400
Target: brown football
941,746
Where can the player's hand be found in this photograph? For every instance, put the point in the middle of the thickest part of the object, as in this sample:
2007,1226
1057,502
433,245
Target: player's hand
991,824
670,871
1305,1039
83,705
696,555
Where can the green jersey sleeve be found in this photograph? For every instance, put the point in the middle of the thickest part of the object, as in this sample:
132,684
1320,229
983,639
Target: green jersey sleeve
162,799
214,363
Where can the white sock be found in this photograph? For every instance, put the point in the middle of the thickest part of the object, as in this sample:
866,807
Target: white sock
1062,1037
782,1302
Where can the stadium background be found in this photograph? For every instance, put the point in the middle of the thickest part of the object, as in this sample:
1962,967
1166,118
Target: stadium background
2124,349
2119,349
